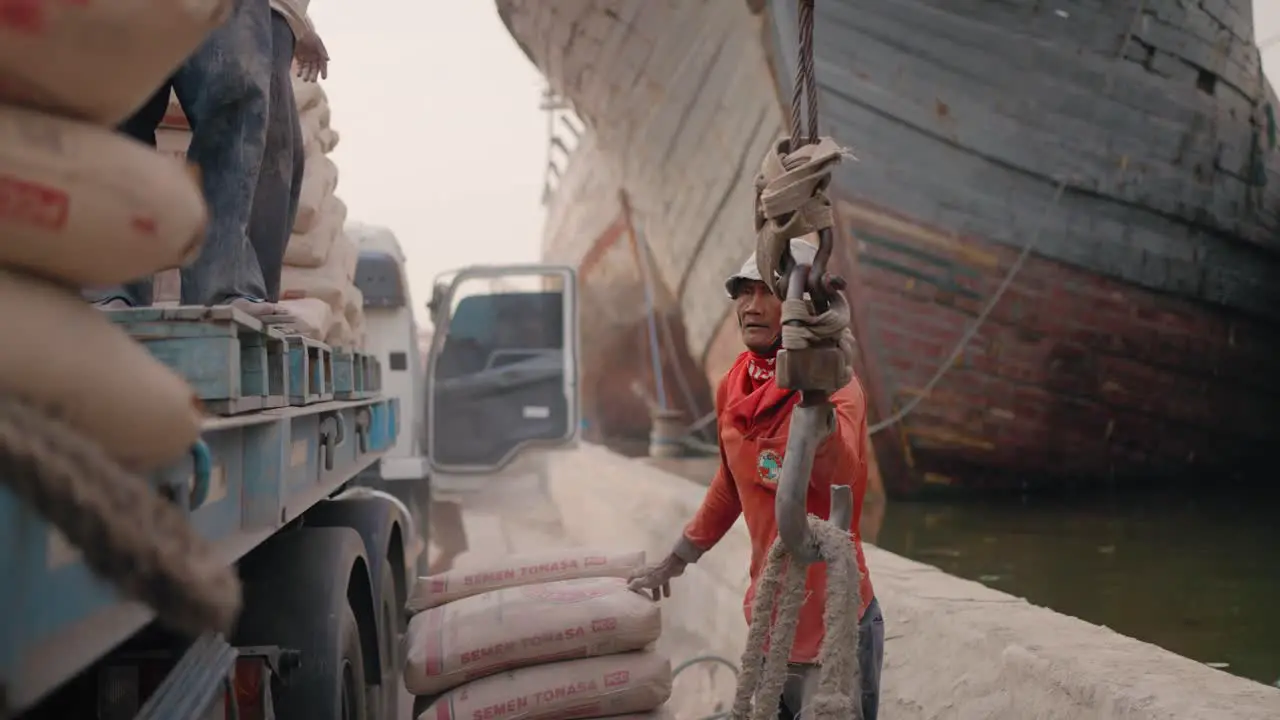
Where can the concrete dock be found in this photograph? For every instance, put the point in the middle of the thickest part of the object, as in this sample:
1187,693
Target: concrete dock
955,648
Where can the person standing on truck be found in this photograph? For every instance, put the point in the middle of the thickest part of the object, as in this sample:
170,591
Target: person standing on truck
246,140
754,416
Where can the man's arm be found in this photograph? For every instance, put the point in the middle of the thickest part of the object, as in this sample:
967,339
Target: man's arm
720,507
719,511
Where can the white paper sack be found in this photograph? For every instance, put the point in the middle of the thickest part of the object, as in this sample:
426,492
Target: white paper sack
522,626
319,182
354,309
307,95
313,121
173,143
312,318
63,355
87,206
311,248
97,60
488,574
326,140
589,688
330,282
340,334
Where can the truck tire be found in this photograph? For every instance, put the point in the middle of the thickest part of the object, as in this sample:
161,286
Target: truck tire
307,590
382,528
389,625
350,699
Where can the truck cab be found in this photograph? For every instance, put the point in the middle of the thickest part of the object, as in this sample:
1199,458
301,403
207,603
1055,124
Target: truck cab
391,335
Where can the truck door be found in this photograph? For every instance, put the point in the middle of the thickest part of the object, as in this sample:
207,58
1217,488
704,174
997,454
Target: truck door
503,367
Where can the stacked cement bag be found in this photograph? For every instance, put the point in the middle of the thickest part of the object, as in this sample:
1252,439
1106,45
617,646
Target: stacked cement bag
317,286
81,206
551,636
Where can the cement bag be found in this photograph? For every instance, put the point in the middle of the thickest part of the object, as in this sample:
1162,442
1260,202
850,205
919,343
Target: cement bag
97,60
354,309
313,318
344,257
327,140
340,334
91,208
311,248
61,353
313,121
174,116
306,95
524,569
520,626
173,143
330,282
319,180
590,688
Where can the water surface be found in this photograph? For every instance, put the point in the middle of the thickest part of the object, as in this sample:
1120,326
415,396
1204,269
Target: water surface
1197,573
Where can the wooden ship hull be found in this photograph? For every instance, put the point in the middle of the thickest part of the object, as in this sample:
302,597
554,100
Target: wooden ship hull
1134,342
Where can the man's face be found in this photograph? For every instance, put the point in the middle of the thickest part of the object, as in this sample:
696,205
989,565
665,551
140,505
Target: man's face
759,315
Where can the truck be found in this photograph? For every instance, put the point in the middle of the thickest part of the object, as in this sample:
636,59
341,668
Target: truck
308,479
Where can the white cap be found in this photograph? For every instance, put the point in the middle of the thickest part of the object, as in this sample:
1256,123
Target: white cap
802,251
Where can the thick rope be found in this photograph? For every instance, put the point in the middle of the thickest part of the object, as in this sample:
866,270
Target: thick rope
782,591
127,533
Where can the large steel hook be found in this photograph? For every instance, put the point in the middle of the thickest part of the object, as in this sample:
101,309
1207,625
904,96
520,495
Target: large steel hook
810,421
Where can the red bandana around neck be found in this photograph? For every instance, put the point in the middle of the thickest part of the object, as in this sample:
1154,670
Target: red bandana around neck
761,367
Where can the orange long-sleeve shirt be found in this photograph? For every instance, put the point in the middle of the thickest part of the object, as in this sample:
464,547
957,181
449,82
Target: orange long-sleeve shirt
754,419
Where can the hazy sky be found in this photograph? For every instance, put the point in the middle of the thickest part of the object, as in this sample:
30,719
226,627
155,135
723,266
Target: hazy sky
442,140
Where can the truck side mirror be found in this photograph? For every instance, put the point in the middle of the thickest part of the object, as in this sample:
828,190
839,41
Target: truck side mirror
502,371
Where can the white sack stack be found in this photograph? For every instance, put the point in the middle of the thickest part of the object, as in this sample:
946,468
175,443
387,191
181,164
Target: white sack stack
318,283
82,206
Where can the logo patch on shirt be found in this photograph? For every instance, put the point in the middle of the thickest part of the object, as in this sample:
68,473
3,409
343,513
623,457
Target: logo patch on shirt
769,467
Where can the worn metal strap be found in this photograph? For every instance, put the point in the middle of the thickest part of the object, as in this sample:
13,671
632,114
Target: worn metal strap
791,201
802,329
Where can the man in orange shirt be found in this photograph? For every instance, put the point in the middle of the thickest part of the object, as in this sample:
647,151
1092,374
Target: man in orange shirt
754,417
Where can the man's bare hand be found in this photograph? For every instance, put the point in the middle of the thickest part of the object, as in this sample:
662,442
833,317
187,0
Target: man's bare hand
311,56
655,580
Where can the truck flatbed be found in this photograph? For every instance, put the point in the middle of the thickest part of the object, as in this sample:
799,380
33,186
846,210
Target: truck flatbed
294,420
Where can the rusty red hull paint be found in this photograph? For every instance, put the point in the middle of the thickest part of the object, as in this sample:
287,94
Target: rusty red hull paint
1072,378
618,383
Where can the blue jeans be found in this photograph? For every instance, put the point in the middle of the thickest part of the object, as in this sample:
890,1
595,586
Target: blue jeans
802,680
246,140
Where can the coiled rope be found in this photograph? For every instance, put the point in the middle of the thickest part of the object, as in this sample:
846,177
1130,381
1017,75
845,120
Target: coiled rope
782,588
127,533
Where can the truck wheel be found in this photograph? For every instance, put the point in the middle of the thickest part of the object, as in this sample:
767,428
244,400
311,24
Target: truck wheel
351,697
308,590
389,640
